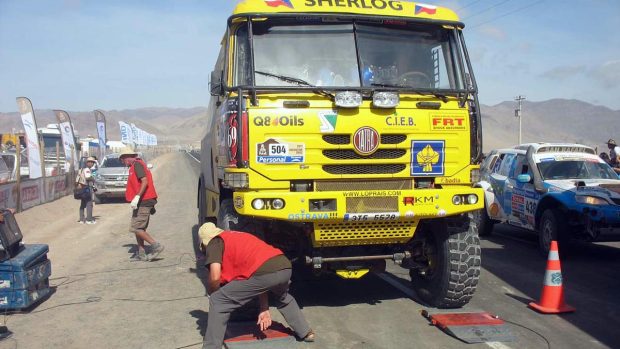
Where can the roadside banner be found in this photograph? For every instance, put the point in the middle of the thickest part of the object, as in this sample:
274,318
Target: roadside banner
101,132
32,137
68,138
126,133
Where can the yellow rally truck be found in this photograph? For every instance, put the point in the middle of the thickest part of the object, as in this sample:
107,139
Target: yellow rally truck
347,133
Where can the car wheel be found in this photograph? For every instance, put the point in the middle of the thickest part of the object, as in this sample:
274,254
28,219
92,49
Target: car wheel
552,227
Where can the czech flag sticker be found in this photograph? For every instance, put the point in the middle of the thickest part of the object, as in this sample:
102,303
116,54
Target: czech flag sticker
277,3
423,8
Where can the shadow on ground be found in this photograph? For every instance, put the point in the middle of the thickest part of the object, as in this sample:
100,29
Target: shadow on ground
590,279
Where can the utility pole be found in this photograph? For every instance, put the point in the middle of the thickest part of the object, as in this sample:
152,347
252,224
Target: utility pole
519,99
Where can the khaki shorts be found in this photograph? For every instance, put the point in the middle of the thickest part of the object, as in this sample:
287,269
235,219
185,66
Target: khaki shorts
140,219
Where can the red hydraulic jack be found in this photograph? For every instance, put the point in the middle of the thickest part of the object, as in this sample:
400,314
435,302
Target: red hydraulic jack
247,335
471,327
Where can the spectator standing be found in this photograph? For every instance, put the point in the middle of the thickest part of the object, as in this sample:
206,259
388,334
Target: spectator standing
141,195
86,180
614,152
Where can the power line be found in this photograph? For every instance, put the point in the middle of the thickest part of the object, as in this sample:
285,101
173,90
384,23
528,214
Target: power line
509,13
468,5
487,9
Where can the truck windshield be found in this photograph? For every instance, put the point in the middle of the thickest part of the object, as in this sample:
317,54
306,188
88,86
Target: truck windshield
349,55
576,169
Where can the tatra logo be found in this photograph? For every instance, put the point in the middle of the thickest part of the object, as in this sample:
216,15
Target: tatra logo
366,4
366,140
419,200
279,121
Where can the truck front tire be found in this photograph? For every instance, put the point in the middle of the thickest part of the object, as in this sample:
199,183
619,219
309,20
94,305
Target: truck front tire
229,219
453,264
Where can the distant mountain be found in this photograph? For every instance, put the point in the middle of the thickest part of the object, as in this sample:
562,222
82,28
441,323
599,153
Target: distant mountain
556,120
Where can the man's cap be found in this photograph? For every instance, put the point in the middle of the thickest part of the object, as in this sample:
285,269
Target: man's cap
127,152
91,159
611,141
207,232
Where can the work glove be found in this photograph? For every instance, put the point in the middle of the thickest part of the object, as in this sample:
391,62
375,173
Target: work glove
134,202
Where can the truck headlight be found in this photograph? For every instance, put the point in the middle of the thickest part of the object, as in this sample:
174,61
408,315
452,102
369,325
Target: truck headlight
385,99
348,99
258,204
590,200
236,180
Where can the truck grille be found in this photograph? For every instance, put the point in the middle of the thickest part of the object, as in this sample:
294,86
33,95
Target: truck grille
371,204
351,155
346,139
364,169
362,233
349,185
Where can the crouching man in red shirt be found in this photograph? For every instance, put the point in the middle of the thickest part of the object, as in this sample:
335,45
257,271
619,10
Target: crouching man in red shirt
242,267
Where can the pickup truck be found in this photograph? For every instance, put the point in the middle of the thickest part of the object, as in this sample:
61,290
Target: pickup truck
111,178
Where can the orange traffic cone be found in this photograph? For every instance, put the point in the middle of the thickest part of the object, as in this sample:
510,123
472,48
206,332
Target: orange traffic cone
552,298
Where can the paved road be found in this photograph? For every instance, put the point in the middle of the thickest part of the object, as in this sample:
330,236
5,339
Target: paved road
102,300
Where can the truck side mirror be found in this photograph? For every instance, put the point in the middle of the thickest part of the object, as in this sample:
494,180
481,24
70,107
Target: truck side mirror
215,84
524,178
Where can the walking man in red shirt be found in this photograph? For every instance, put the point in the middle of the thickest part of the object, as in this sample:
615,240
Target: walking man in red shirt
242,267
141,194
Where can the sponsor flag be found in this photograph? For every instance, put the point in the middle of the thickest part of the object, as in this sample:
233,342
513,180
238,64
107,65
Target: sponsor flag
277,3
126,133
32,137
101,132
423,8
68,138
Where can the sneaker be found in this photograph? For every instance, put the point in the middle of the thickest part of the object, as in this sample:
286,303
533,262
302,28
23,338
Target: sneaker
91,222
81,222
156,249
139,256
309,337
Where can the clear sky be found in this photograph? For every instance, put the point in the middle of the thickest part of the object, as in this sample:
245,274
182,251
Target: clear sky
81,55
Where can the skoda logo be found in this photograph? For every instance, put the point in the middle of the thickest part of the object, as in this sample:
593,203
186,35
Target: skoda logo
366,140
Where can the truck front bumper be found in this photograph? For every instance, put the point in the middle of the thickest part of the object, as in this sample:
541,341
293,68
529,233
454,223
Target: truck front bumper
361,217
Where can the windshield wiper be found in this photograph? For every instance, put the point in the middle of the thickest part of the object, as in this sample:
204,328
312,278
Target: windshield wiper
286,78
296,81
443,97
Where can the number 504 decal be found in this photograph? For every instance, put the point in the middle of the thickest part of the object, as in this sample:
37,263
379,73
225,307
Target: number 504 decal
276,152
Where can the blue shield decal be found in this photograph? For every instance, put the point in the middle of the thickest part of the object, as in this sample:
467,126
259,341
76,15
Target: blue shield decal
428,158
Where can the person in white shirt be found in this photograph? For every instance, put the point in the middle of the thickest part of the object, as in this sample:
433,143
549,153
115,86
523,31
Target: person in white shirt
85,180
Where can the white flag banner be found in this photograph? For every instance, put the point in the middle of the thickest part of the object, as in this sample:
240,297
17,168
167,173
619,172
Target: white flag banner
32,137
101,132
126,133
68,139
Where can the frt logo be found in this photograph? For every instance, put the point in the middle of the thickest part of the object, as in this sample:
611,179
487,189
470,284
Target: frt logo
460,122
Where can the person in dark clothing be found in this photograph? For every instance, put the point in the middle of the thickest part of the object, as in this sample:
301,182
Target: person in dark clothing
241,268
